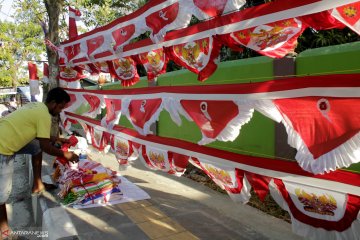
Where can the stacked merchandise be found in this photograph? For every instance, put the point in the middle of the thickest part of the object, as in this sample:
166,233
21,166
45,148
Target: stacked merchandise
86,182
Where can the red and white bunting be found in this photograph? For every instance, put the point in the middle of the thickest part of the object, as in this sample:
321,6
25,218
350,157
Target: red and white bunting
259,183
99,138
324,130
217,120
45,78
227,178
76,100
95,103
349,15
163,16
69,77
124,150
158,159
322,21
142,113
125,70
274,39
199,56
174,16
74,15
101,67
113,112
318,213
34,81
154,62
205,9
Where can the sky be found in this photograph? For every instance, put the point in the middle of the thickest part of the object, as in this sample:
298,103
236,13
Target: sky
6,10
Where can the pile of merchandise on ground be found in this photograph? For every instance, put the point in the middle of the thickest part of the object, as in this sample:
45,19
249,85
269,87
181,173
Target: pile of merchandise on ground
86,182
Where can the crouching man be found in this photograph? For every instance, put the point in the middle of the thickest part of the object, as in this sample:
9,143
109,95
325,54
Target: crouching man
27,131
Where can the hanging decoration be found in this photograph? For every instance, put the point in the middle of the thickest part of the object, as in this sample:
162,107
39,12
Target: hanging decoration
318,213
95,104
168,18
113,112
200,56
322,21
142,113
349,15
124,150
158,159
217,120
274,39
69,77
154,62
34,82
325,102
321,206
208,9
125,70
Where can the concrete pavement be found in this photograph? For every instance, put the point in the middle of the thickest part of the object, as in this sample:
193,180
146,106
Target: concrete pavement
179,208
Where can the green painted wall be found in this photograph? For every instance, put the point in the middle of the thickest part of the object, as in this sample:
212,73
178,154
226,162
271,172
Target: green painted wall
257,136
339,59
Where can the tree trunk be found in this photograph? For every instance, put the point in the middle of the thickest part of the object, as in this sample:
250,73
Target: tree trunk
53,8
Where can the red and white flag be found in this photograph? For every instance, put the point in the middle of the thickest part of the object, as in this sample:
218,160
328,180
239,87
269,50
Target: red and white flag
154,62
125,70
217,120
142,113
45,78
69,77
317,212
199,56
113,112
34,82
124,150
172,17
274,39
95,104
226,178
205,9
163,160
74,15
122,36
322,21
349,15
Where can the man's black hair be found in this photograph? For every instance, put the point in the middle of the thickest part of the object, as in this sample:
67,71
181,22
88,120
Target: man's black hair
58,95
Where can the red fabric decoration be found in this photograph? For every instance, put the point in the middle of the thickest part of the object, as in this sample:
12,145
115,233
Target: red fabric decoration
259,183
125,70
349,15
199,56
70,74
274,39
142,113
72,51
94,103
327,117
122,36
113,112
32,71
154,62
74,15
211,8
352,206
322,21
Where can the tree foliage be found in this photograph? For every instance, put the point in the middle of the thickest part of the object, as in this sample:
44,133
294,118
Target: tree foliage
20,43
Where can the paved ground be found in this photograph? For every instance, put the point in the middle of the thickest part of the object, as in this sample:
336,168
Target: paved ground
179,208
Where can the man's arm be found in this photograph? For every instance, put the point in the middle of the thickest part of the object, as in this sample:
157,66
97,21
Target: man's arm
46,146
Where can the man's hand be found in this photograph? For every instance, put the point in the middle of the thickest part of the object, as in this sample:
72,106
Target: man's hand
71,157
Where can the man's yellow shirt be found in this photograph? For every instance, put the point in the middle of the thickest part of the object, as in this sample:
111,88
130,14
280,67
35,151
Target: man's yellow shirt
17,129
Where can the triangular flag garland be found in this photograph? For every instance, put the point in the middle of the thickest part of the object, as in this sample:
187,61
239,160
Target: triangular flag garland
321,206
154,62
349,15
333,143
113,112
125,70
196,47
